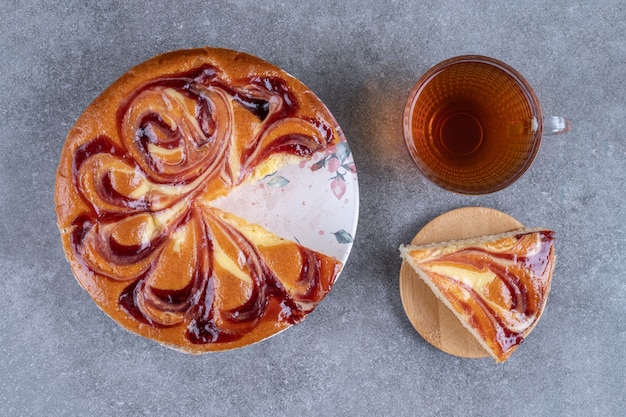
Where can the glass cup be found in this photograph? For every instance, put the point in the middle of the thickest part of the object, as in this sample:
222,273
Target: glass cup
473,124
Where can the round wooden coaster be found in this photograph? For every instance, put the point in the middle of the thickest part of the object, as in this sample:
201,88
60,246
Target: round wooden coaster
430,317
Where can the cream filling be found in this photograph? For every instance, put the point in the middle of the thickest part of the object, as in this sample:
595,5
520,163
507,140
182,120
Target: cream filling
145,187
180,100
472,278
179,237
477,280
256,234
229,265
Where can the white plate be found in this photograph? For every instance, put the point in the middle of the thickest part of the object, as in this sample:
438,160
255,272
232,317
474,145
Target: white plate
315,203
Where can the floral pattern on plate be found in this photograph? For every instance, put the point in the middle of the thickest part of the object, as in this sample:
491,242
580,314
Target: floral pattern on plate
315,203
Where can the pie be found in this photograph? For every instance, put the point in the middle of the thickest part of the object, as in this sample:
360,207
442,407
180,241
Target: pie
134,190
497,285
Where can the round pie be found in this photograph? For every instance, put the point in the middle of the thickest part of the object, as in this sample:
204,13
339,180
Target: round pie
134,190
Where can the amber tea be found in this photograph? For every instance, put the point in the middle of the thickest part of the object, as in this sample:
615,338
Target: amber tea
473,125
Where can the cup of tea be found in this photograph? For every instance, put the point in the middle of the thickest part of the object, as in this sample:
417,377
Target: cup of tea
473,124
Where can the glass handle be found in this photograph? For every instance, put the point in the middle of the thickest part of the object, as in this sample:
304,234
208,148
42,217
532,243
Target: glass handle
555,125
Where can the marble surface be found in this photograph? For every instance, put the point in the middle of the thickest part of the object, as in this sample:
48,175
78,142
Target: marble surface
357,354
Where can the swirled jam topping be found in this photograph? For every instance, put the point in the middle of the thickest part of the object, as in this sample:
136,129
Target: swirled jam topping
134,190
498,288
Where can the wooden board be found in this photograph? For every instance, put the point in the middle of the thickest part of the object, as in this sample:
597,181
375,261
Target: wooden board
430,317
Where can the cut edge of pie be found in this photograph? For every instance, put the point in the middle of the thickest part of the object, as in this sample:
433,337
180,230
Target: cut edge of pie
496,285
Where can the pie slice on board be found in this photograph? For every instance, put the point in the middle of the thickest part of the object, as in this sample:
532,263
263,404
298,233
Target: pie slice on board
495,285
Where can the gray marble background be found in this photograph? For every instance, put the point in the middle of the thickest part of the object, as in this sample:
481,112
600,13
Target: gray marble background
357,354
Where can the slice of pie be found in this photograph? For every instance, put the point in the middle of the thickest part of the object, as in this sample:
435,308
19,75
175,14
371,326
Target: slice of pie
497,285
135,185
